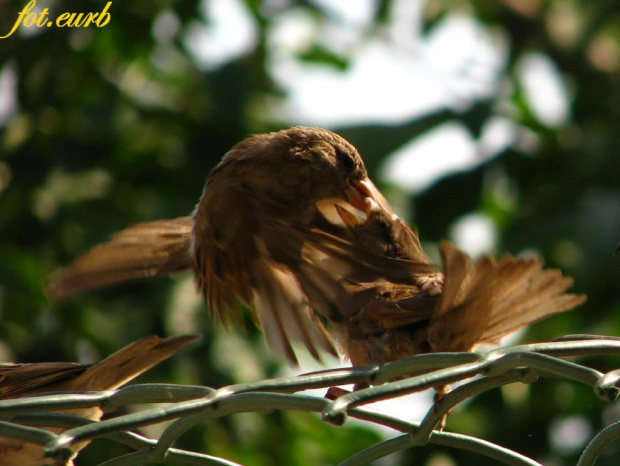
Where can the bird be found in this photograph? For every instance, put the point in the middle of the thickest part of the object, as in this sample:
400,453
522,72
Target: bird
46,378
290,225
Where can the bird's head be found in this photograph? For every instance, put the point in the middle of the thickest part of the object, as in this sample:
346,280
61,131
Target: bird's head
300,171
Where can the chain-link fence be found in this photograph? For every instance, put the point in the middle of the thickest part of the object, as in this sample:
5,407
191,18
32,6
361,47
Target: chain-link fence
187,406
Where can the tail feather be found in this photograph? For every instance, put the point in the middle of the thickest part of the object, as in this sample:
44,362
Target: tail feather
143,250
543,296
459,265
486,300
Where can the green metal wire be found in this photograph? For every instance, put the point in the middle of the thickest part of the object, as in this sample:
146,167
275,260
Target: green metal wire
598,443
186,406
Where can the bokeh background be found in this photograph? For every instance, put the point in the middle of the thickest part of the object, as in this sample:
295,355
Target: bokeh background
493,123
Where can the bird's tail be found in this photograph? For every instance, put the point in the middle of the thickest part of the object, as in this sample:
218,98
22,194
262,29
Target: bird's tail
483,301
144,250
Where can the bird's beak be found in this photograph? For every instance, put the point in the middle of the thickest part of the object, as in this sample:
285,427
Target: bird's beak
362,197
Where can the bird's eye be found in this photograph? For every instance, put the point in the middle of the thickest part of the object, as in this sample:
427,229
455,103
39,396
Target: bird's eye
345,160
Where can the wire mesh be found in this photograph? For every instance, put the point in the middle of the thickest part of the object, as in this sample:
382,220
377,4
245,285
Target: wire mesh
186,406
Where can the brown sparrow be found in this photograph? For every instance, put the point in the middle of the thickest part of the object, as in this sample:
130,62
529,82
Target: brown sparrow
290,225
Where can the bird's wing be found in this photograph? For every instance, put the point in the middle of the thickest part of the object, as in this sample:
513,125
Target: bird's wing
127,363
235,262
143,250
340,279
38,378
284,313
19,379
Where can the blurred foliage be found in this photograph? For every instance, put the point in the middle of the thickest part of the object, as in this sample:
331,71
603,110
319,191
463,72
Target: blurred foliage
120,124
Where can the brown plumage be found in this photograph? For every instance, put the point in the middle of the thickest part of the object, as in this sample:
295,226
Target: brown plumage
382,308
22,380
290,225
470,304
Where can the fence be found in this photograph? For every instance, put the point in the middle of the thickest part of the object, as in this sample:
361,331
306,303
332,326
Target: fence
187,406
